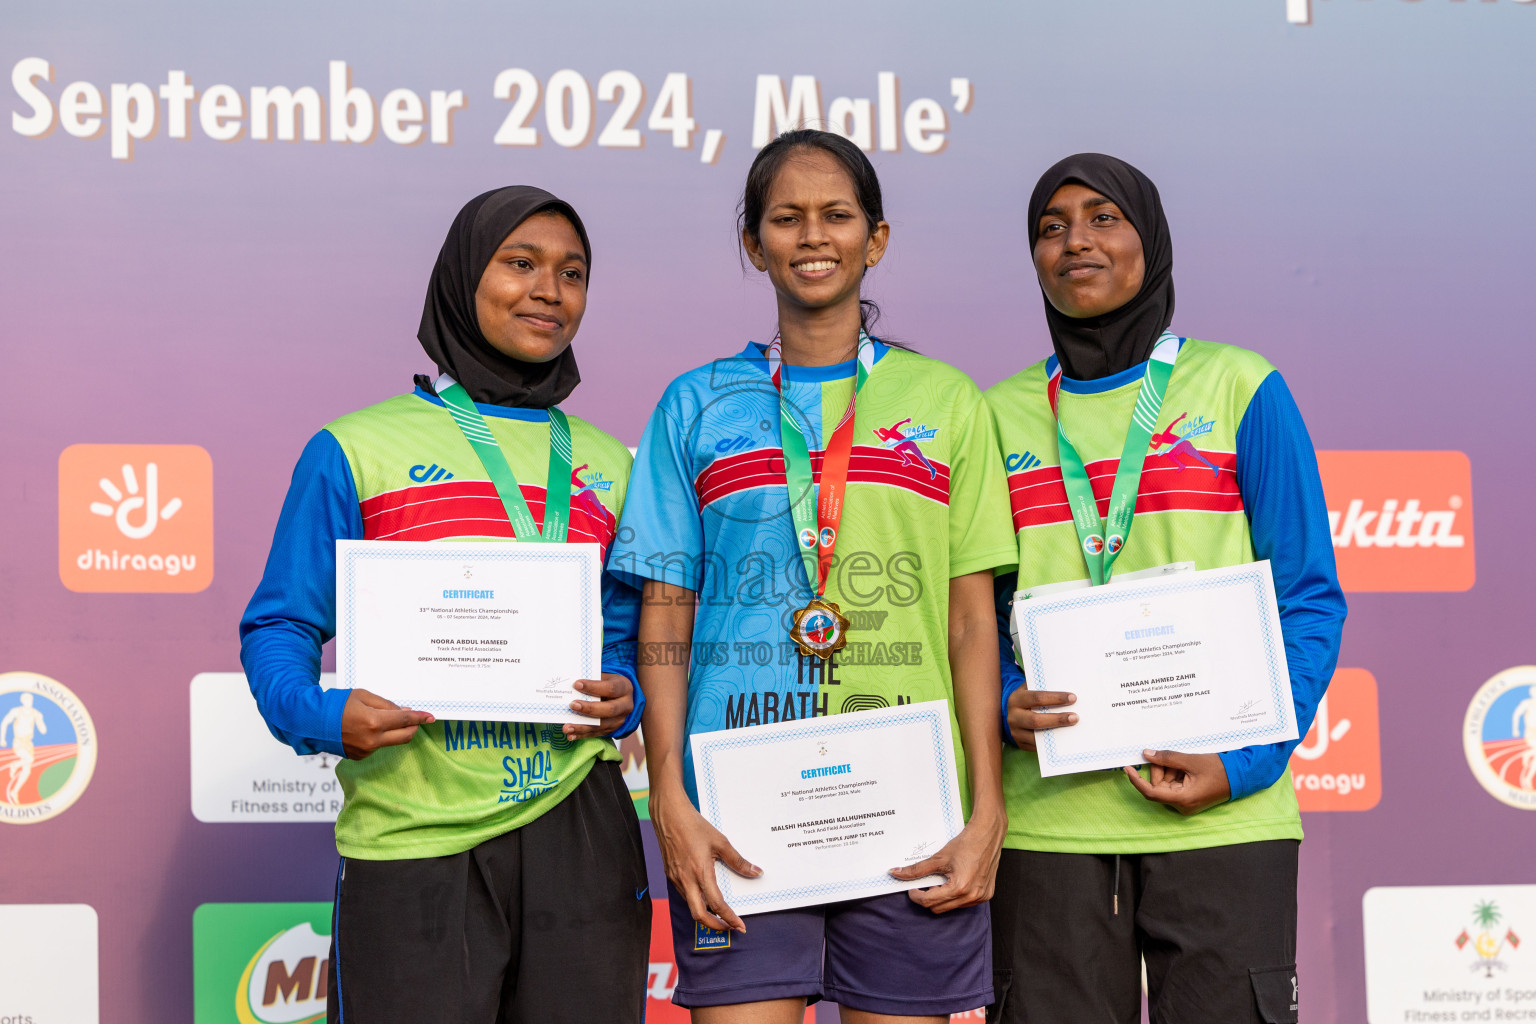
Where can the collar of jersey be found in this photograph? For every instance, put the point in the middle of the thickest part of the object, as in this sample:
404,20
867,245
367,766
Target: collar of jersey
501,411
809,374
1129,375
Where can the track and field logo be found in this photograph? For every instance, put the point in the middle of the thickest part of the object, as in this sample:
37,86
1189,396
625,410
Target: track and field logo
47,748
828,536
808,538
1178,445
270,962
904,443
1093,544
1499,736
135,518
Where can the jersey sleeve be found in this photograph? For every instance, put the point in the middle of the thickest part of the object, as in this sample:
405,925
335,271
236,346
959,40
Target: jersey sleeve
660,534
293,612
1288,520
980,524
1003,588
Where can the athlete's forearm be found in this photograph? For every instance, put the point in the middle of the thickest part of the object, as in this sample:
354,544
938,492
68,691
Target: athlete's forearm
973,662
666,637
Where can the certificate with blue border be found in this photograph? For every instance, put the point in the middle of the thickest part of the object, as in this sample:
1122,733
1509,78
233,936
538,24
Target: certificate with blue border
482,631
828,806
1193,662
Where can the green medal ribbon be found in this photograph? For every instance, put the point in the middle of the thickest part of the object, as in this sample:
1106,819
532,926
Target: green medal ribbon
1103,539
557,494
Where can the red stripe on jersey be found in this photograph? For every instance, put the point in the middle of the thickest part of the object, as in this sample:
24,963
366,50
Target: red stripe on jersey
471,508
764,467
1039,498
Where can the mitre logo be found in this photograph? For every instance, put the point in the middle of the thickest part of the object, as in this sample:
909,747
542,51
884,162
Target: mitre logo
1401,521
136,518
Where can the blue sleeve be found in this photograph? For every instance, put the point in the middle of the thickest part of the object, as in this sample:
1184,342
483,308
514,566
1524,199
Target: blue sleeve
1013,676
1288,520
293,612
621,632
661,536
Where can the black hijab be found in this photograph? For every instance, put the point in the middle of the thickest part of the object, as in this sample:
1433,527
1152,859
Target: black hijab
450,328
1100,346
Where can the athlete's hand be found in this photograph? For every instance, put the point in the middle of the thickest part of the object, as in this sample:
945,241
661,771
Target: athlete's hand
1189,783
968,863
369,722
615,700
689,848
1024,721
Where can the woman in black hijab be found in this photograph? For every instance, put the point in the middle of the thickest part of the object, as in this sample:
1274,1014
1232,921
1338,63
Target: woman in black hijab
492,871
1192,867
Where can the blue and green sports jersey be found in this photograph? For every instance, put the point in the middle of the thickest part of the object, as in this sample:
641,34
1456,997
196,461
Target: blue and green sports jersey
708,509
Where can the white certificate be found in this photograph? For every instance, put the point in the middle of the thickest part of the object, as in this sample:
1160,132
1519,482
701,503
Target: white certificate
1190,661
491,632
827,806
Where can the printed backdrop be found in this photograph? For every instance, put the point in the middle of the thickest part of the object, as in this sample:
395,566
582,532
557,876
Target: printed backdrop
218,223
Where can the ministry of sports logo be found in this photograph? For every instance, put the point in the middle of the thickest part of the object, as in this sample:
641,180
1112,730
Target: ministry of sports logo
1499,736
47,748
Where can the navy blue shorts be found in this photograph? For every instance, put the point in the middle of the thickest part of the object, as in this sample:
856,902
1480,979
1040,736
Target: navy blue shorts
884,954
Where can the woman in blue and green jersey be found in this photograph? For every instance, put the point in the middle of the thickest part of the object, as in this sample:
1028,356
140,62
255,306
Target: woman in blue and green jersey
711,533
491,871
1192,866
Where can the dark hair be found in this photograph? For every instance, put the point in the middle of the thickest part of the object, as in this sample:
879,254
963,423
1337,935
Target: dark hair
866,186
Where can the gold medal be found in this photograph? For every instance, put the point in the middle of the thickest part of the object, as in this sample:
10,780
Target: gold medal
820,629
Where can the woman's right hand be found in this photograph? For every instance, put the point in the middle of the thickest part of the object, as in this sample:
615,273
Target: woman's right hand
369,722
1024,721
689,848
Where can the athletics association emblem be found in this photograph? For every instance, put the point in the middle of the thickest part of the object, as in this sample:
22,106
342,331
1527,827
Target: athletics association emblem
47,748
1093,544
1114,542
808,538
1499,736
828,536
1484,939
820,629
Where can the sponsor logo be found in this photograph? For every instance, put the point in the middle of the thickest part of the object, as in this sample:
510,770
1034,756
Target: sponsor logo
1449,953
1499,736
731,445
1017,463
429,474
47,748
902,438
1179,445
1337,767
271,960
48,962
135,518
1401,521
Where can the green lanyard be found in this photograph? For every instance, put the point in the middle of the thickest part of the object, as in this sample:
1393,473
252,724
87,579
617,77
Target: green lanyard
1103,539
557,495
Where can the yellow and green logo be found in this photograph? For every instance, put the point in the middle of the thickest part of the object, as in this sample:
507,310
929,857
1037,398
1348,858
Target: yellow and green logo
261,963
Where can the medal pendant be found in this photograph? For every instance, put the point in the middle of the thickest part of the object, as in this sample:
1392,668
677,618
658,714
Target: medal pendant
819,629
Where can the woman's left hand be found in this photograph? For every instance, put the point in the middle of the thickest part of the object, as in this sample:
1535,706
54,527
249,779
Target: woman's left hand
968,863
615,699
1189,783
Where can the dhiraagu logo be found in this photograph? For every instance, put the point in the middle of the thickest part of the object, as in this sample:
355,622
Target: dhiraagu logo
260,963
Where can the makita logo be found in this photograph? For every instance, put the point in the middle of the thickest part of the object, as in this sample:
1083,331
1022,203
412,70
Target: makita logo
1392,527
1400,520
429,474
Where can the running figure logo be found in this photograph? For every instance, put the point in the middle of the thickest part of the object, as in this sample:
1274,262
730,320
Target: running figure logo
27,721
584,495
906,445
1180,446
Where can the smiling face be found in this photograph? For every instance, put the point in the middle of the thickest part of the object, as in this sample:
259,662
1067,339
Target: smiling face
533,293
1087,254
814,240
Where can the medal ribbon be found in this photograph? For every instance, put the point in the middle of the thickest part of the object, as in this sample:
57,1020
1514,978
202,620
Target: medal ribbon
1102,540
557,494
816,533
